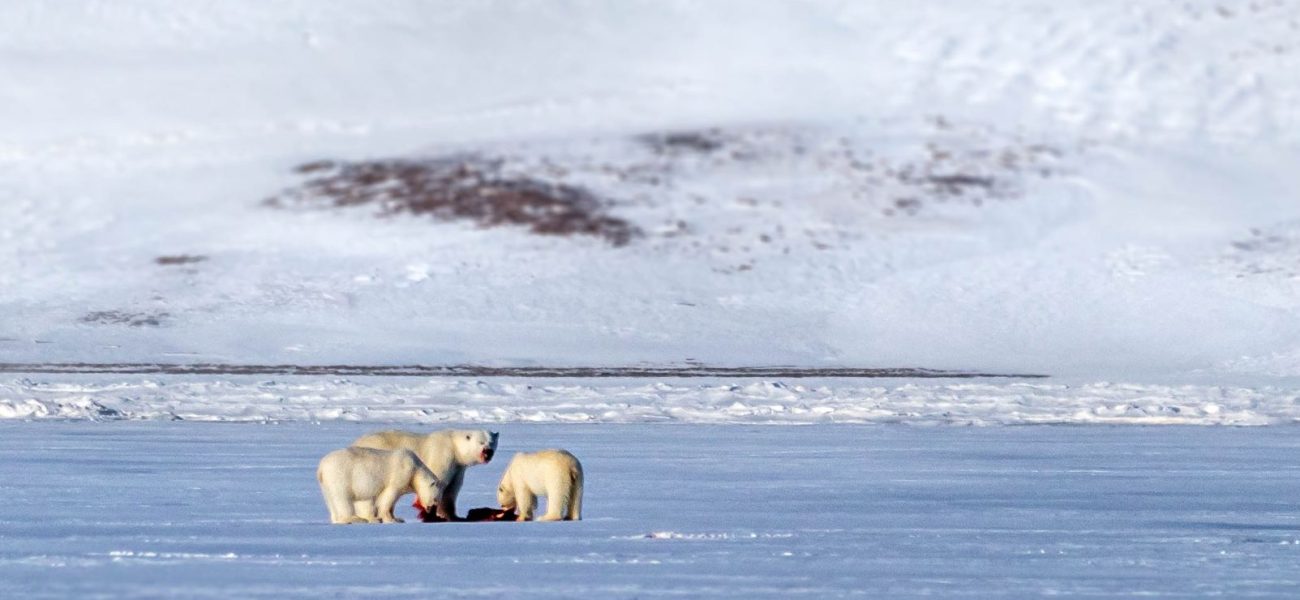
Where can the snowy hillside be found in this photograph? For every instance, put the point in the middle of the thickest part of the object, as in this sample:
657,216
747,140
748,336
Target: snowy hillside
1098,190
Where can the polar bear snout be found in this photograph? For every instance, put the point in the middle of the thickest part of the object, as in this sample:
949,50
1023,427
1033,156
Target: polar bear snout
489,447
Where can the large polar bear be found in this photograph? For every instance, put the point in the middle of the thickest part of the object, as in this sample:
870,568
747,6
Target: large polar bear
555,474
361,485
447,453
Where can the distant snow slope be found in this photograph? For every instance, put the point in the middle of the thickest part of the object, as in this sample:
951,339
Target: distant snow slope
1139,218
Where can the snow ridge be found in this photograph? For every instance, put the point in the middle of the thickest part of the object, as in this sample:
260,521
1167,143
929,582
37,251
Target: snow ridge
626,401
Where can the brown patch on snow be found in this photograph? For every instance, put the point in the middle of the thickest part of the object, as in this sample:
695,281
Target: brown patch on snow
465,188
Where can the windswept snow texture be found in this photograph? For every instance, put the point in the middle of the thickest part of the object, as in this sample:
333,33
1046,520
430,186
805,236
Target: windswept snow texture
1100,189
438,401
97,510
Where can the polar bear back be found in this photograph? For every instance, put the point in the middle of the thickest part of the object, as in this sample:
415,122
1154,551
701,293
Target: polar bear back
438,450
536,469
391,439
365,472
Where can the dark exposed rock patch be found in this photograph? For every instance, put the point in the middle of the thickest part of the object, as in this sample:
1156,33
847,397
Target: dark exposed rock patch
701,142
179,259
458,188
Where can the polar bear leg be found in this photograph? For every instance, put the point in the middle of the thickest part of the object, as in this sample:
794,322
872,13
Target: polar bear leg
575,503
365,509
524,501
555,501
447,505
385,504
338,503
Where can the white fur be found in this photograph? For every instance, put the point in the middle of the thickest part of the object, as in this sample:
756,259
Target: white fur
361,485
447,453
555,474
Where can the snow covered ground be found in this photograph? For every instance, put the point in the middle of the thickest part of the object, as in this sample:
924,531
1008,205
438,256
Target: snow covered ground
1105,192
156,509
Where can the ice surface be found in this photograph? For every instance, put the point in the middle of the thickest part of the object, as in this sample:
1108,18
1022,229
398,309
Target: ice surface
159,509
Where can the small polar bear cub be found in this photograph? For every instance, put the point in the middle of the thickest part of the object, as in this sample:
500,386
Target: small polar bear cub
447,453
357,482
555,474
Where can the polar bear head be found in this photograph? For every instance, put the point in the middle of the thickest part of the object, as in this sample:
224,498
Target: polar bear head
428,488
474,446
506,494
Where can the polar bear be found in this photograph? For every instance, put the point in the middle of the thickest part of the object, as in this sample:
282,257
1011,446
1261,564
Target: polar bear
447,453
361,485
555,474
